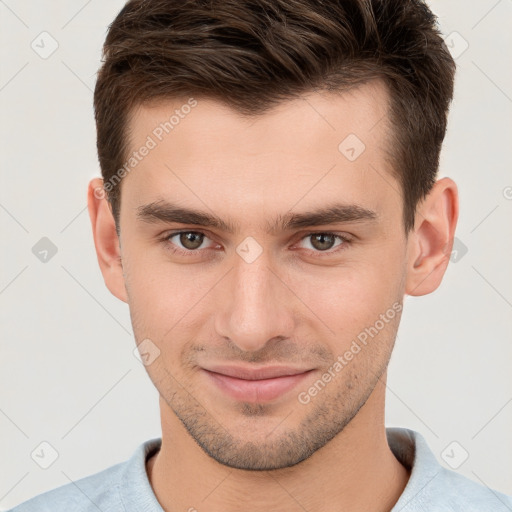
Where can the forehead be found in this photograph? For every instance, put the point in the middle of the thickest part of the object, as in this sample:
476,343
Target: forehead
361,110
319,148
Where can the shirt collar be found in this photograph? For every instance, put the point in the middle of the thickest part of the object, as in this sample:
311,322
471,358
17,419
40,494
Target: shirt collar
408,446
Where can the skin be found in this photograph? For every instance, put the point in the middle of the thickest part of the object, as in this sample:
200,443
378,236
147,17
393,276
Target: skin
295,304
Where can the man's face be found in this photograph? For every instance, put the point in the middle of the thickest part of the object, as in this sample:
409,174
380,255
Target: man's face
248,320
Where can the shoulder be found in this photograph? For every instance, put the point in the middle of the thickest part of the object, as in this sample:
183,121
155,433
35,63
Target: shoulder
98,491
458,493
432,487
109,490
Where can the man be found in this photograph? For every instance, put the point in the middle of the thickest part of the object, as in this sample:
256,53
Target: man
269,197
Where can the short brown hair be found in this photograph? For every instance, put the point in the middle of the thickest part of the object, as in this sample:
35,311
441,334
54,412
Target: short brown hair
253,54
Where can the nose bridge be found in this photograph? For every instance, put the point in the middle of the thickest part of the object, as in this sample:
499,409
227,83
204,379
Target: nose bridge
255,309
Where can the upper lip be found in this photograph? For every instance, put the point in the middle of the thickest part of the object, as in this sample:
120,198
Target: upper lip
256,373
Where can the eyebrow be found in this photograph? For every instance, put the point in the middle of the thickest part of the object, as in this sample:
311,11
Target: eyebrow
163,211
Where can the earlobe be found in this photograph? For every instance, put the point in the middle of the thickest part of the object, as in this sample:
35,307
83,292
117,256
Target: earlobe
106,239
431,243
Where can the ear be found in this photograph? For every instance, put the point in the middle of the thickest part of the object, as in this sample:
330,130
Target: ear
106,240
430,244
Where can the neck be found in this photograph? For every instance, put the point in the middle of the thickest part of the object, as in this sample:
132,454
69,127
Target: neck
354,471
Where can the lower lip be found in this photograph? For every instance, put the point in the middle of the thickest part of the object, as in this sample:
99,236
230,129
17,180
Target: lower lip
254,391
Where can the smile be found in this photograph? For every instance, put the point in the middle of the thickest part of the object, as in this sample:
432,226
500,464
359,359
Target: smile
255,385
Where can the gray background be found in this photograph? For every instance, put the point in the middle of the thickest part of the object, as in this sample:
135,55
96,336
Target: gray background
68,376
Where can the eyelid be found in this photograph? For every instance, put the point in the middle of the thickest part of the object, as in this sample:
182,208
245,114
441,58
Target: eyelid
167,236
345,238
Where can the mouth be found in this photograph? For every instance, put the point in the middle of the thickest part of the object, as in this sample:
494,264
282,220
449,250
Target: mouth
255,385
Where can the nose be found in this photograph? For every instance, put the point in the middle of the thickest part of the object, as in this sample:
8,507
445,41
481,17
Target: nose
255,307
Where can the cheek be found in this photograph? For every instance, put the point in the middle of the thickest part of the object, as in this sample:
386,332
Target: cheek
167,301
351,298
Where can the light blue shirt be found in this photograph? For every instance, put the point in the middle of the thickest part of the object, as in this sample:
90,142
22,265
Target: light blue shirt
125,487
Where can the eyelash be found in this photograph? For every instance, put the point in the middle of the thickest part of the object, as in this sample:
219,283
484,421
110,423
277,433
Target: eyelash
345,241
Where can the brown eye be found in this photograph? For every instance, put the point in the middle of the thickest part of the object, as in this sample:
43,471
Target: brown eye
191,240
323,241
188,243
325,244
